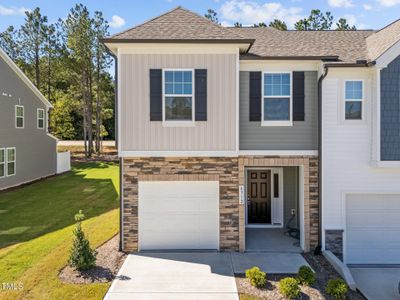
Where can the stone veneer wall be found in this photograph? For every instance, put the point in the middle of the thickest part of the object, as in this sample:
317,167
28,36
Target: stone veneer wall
334,242
311,191
224,169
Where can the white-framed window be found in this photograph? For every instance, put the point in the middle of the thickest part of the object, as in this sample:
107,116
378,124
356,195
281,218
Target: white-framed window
40,118
2,162
178,97
277,99
353,99
19,116
11,161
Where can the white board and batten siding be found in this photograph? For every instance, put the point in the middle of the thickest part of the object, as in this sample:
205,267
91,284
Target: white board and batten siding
348,152
137,133
178,215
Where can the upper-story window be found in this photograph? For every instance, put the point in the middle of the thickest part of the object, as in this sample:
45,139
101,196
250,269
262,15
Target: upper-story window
277,99
19,116
353,99
2,162
40,118
178,99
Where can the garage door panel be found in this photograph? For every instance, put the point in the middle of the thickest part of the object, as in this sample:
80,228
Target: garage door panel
373,229
179,215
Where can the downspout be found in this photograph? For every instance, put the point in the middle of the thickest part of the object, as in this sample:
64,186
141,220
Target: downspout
318,249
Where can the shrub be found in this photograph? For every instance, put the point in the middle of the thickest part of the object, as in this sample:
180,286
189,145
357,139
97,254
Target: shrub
257,277
305,275
289,288
82,257
336,288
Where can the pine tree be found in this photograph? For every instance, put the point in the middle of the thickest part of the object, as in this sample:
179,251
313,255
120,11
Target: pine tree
82,257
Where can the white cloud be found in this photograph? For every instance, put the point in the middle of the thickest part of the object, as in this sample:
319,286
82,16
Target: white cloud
249,12
117,21
340,3
367,6
12,11
389,2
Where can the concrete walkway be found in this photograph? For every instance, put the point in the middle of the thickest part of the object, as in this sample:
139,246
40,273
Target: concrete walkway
377,283
192,275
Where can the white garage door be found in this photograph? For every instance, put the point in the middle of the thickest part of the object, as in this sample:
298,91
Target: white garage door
373,229
178,215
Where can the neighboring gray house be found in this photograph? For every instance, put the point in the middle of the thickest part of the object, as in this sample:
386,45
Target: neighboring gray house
27,151
229,136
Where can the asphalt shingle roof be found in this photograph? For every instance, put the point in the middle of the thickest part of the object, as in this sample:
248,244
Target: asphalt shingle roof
179,24
182,25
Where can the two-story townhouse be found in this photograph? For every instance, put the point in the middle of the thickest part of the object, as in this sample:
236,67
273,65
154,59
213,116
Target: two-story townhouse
27,151
219,133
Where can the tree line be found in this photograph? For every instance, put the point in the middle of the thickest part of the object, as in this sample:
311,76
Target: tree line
70,66
317,20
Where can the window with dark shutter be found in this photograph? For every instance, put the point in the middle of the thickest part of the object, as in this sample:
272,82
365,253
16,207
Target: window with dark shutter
155,95
255,96
298,96
200,94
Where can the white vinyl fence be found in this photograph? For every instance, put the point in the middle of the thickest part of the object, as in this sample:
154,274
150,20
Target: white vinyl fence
63,162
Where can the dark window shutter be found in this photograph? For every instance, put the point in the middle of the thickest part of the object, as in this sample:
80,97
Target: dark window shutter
200,94
298,96
155,95
255,96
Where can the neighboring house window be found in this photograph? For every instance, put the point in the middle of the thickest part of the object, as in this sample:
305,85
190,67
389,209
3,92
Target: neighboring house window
19,116
277,99
353,99
10,159
178,99
2,162
40,118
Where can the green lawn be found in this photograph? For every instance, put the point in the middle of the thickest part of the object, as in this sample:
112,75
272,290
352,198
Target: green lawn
36,224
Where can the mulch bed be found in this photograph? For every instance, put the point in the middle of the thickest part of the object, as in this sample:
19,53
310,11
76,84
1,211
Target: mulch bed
324,272
109,261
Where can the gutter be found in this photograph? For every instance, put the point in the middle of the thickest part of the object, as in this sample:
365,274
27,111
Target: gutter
318,249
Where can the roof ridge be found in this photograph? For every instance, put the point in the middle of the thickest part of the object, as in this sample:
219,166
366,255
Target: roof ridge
147,21
390,24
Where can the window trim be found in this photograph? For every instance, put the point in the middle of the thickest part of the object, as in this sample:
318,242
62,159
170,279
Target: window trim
277,123
4,163
362,100
175,123
23,117
38,118
14,161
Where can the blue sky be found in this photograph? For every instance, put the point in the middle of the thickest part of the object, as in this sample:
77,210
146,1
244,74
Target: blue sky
365,14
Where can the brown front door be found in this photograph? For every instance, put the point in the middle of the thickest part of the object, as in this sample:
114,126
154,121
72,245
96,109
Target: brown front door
259,196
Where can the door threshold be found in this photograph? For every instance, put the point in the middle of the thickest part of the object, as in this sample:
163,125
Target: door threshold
264,226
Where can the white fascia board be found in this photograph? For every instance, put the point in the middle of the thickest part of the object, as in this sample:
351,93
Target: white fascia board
217,153
177,153
279,152
388,56
174,48
24,78
278,65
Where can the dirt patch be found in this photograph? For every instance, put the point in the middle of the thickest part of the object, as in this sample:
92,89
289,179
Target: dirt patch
324,272
109,261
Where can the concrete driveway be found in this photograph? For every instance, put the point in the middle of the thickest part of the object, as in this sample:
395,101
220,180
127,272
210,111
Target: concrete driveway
377,283
193,275
175,276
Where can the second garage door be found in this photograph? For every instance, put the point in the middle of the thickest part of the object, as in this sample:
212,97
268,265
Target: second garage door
373,229
178,215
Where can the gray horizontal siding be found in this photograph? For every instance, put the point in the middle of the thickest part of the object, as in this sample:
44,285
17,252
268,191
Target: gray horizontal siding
390,111
300,136
36,154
